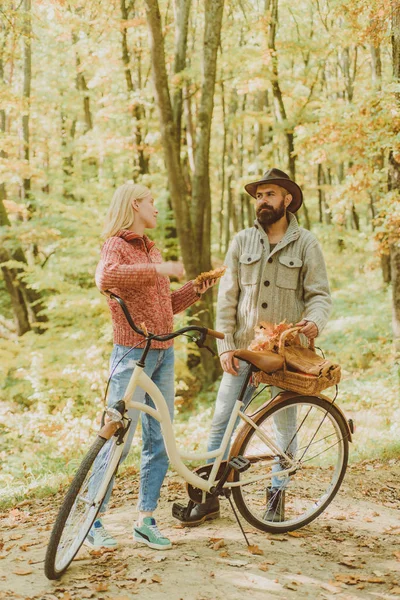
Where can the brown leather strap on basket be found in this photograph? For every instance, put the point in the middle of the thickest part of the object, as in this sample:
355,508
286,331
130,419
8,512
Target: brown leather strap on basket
282,339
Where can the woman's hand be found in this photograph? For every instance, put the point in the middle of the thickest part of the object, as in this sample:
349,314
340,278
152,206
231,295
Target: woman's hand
171,268
203,287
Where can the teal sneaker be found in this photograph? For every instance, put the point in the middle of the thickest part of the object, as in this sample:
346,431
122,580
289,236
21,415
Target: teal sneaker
149,534
99,538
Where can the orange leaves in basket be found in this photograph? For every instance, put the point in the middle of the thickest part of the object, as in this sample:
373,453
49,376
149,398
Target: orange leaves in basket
267,336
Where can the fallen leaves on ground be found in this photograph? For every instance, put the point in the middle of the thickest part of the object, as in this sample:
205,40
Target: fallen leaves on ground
220,543
254,549
22,571
350,579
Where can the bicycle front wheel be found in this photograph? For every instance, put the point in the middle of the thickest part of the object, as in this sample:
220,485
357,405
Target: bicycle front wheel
314,433
81,506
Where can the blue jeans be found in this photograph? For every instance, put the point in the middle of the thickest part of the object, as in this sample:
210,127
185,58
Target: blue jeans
154,462
284,422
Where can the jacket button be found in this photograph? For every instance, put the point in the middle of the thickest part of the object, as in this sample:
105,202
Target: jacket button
291,263
270,260
262,241
264,305
266,283
249,259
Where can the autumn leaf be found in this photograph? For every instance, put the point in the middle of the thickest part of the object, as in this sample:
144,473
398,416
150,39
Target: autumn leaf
218,545
22,571
295,534
253,549
156,578
350,564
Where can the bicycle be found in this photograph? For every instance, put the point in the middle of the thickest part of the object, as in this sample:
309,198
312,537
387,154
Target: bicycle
312,464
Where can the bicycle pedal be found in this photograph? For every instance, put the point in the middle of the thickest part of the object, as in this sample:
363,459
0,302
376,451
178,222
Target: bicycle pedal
239,464
180,511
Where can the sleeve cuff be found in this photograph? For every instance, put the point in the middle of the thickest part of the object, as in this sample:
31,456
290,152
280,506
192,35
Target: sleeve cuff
226,345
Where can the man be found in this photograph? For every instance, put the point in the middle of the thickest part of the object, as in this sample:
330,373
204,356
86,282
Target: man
276,271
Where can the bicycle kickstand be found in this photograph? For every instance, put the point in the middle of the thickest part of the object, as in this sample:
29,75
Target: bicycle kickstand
237,518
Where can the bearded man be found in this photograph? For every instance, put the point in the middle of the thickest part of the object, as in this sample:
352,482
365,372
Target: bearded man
276,271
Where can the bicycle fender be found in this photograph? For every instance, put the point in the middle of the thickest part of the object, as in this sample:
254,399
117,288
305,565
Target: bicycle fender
109,429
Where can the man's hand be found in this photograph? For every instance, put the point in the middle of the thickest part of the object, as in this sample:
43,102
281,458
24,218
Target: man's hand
308,328
229,363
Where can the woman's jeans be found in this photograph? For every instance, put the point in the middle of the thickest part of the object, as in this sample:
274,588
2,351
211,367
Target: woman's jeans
284,422
154,462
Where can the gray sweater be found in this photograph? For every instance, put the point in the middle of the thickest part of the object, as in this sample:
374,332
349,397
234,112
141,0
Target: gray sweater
290,282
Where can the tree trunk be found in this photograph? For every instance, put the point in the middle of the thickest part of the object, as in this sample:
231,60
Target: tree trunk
376,65
201,194
67,157
394,184
179,197
355,217
27,90
193,220
280,110
13,287
385,266
203,311
138,110
182,12
3,154
81,86
223,159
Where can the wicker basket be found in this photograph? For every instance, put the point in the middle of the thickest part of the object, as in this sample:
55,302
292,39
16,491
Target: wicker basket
298,382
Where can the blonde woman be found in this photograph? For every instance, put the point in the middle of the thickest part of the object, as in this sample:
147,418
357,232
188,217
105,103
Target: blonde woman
132,267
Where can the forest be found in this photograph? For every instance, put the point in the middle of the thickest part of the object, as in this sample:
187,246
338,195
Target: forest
194,99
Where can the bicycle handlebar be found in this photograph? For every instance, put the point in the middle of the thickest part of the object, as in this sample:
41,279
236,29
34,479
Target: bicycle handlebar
216,334
161,338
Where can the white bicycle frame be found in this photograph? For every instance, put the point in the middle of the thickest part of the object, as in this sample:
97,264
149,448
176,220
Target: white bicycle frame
140,379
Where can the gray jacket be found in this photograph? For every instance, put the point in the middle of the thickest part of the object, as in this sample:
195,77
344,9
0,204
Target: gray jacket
290,282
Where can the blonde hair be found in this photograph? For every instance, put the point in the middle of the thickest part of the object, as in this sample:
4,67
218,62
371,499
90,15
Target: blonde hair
121,214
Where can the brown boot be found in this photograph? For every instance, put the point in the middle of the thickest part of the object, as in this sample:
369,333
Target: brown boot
275,505
202,512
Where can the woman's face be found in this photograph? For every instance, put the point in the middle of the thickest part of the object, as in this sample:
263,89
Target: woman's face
147,212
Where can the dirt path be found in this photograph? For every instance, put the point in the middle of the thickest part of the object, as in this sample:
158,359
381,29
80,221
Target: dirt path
351,552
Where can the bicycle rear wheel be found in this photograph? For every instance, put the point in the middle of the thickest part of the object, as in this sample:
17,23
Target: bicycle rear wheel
81,506
315,434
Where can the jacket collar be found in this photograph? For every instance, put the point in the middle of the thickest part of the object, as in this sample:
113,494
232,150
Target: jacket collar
129,237
292,233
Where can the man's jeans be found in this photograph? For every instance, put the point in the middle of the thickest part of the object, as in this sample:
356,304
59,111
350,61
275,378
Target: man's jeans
284,422
154,463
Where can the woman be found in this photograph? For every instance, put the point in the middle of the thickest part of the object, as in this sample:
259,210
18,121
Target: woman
132,267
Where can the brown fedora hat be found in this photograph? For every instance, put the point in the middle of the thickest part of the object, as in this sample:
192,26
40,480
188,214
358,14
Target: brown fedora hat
283,180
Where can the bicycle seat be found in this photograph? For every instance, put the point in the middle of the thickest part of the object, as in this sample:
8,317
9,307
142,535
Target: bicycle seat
266,361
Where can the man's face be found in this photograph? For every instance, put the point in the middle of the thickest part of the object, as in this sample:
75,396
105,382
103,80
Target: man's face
271,203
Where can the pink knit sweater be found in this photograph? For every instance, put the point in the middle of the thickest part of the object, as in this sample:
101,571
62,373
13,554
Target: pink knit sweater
127,269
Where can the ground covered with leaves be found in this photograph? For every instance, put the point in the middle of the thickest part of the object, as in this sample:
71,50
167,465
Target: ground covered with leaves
352,551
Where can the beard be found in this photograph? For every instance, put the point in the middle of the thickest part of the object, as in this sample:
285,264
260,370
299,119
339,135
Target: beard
267,215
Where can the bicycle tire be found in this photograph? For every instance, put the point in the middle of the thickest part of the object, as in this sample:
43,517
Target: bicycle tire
50,564
247,497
